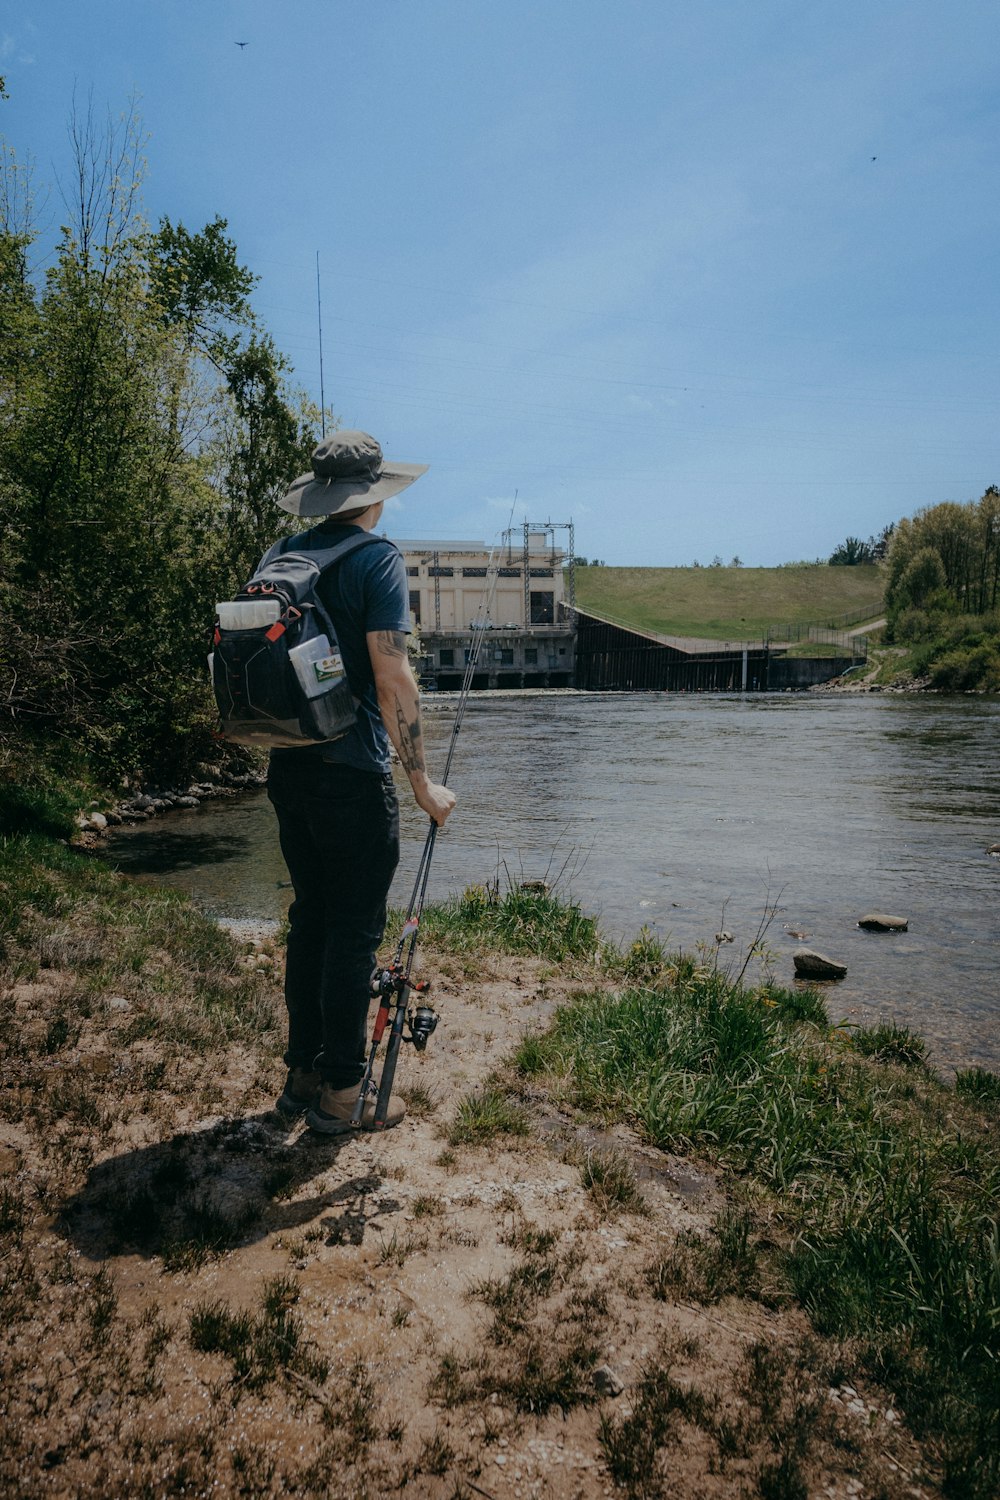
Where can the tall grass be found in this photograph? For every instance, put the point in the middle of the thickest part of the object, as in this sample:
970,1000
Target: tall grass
522,920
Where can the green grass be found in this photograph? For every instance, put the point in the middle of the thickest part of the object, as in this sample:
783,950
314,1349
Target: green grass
484,1115
728,603
885,1179
519,921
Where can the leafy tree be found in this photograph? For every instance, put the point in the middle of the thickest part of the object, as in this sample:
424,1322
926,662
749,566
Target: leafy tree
132,493
200,287
851,553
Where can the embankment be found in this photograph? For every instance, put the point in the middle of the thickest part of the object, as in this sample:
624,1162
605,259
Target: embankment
645,1228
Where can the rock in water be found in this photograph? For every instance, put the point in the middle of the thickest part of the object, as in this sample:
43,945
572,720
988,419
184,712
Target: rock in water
879,921
812,965
994,849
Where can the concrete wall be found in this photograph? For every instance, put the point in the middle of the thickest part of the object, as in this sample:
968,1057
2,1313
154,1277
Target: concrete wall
798,672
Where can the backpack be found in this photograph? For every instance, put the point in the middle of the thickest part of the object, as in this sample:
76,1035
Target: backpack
276,666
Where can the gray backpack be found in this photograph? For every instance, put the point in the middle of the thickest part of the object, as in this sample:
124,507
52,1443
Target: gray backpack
276,666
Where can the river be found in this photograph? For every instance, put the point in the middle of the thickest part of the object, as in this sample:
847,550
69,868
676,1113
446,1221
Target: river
690,814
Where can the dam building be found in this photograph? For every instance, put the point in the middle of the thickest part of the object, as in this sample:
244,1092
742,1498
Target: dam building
535,635
530,634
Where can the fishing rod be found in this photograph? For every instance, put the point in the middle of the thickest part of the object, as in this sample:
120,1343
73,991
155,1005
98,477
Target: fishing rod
394,984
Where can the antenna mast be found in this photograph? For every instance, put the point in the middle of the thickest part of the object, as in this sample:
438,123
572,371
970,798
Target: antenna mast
319,319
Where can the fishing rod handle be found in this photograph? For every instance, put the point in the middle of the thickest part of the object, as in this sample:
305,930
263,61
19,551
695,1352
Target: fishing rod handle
391,1059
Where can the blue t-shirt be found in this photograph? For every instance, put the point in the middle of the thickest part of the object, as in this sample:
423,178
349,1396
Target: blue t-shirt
366,590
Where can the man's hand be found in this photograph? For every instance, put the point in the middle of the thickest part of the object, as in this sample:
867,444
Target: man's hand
437,801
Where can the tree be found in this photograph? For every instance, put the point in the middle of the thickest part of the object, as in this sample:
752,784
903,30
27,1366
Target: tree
200,287
851,553
266,445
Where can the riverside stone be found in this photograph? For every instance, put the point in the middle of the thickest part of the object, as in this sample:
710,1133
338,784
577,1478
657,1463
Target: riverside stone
880,921
606,1382
812,965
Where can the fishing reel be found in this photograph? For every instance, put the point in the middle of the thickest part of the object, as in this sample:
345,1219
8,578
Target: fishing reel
422,1021
387,985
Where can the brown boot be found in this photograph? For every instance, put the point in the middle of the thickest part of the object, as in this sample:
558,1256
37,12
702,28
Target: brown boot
301,1087
331,1114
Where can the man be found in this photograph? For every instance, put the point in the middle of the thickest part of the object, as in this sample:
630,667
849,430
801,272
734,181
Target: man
338,817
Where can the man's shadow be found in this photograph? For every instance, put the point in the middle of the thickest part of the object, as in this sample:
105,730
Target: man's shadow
206,1191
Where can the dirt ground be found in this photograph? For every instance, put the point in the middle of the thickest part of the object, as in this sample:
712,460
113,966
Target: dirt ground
489,1318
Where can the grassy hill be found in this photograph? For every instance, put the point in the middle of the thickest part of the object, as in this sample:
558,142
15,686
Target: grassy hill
728,603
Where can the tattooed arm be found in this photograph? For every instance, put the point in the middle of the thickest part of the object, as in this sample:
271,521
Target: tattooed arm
399,703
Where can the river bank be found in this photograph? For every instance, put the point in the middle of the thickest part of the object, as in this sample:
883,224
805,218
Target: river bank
545,1282
691,815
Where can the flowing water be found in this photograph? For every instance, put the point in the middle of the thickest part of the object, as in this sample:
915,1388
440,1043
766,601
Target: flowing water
691,814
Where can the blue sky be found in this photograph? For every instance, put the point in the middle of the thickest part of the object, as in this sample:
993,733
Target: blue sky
631,261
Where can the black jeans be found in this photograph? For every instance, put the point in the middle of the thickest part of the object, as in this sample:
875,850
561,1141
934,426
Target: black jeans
339,831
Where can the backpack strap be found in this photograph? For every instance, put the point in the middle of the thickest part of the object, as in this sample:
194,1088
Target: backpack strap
323,557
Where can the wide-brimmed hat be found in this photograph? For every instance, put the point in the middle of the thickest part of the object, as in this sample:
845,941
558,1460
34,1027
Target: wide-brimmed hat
347,470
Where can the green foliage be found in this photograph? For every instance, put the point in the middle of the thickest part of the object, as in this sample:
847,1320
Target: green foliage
486,1114
946,558
199,286
523,920
851,553
135,489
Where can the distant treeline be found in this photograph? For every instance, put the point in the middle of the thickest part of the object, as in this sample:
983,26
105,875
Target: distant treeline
146,428
943,591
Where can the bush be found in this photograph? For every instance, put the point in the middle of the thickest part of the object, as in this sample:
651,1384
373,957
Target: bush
968,669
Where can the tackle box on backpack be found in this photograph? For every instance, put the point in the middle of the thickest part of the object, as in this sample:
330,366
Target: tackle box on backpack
276,666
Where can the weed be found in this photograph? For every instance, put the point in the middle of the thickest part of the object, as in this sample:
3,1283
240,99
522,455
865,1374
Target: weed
436,1456
643,961
102,1303
887,1188
259,1346
484,1115
529,1238
280,1182
523,920
634,1444
13,1213
544,1335
356,1413
206,1231
609,1178
706,1269
889,1043
532,1056
253,1468
978,1083
427,1205
446,1159
419,1100
396,1250
783,1480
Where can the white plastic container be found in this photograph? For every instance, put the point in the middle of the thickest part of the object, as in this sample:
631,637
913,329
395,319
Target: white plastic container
318,669
247,614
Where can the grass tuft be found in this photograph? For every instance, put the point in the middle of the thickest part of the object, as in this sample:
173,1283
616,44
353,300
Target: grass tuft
484,1115
889,1043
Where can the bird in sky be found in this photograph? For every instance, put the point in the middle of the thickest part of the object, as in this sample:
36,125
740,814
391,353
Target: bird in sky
240,44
